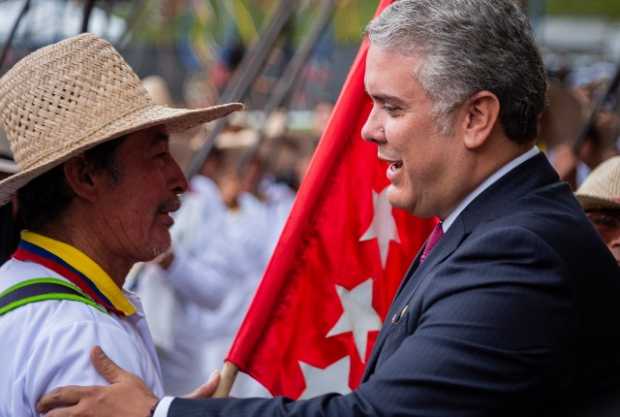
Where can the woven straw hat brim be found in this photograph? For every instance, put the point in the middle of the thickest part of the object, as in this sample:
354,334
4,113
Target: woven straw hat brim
590,202
174,119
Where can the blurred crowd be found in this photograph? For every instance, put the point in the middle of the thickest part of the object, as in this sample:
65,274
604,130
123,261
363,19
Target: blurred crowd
580,127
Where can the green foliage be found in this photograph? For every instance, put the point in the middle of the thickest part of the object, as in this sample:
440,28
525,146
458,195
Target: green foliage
597,8
351,19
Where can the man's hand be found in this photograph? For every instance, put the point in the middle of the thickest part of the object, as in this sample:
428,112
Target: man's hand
126,395
206,390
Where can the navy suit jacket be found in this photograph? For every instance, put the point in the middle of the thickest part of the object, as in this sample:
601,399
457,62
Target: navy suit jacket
514,313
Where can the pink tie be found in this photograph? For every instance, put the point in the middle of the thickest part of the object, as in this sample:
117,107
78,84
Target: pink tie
436,234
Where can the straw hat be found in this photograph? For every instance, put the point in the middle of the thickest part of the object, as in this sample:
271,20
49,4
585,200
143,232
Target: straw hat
73,95
601,190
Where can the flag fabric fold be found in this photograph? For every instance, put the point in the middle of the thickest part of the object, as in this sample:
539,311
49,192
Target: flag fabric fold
338,263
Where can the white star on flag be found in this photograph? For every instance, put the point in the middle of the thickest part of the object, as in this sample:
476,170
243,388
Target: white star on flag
358,315
334,378
383,226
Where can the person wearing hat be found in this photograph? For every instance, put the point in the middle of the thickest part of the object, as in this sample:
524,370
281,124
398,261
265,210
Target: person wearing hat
96,185
599,196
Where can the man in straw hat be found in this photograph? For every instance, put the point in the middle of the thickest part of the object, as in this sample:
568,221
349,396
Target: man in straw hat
599,196
96,186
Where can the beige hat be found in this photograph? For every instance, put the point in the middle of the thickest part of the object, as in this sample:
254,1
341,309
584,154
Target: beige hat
601,190
73,95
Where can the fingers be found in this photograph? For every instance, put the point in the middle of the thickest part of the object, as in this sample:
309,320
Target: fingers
62,397
206,390
59,412
106,366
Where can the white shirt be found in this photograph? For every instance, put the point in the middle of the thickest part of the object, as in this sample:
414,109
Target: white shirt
47,344
492,179
216,269
180,302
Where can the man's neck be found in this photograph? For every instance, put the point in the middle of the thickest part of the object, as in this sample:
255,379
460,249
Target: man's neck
116,267
492,176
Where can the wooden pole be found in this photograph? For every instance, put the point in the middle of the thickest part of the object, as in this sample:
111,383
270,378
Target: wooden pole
227,379
291,74
9,41
88,10
250,68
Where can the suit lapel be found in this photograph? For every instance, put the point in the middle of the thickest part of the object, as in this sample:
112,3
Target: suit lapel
485,207
412,282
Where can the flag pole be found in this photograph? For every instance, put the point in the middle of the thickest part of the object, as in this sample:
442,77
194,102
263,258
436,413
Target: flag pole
227,379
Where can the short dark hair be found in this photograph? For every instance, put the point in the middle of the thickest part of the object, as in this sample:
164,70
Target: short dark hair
45,198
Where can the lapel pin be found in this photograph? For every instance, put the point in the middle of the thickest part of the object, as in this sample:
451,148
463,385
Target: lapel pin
398,316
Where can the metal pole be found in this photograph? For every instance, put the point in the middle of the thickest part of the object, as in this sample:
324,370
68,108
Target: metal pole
134,17
9,41
88,9
292,73
249,69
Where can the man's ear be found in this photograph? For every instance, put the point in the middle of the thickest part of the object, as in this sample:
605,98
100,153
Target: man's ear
482,112
80,176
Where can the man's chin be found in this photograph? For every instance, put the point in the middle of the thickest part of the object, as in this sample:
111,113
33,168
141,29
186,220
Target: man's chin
397,199
408,204
160,246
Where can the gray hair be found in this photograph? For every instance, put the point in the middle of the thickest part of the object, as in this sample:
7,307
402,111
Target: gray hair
467,46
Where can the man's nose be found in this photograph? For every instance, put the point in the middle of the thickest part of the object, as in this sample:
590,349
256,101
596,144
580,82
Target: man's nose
178,182
373,130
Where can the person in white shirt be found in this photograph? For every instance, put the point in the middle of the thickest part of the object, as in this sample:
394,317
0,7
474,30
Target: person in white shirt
95,187
196,297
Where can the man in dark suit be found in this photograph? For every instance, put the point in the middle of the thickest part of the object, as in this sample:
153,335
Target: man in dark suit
511,309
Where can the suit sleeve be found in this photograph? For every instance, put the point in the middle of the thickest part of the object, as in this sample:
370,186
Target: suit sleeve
493,331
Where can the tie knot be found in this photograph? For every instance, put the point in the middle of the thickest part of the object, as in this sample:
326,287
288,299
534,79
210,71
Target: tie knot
432,241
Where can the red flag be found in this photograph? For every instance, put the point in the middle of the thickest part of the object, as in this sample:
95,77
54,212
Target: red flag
339,261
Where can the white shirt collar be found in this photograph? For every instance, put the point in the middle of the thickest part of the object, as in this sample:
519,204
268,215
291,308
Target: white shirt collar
448,221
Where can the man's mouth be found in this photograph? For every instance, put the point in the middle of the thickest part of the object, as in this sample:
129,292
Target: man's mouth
167,207
394,163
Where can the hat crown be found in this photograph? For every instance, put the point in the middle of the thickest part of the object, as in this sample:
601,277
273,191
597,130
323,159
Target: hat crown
57,97
603,184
